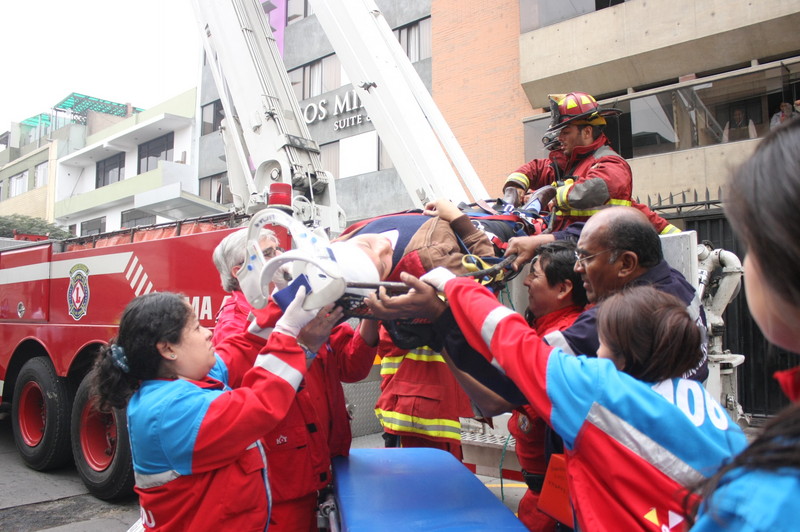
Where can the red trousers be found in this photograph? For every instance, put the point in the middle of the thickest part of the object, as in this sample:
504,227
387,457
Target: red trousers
296,515
531,516
452,448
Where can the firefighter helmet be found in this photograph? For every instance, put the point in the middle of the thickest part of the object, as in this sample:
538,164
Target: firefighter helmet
577,108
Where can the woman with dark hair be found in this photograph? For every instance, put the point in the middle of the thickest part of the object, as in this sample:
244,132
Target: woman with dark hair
633,446
759,489
197,457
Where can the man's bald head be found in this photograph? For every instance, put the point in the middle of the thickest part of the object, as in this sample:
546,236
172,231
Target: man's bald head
627,229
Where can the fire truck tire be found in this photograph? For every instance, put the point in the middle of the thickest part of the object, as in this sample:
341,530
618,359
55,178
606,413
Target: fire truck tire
40,416
100,447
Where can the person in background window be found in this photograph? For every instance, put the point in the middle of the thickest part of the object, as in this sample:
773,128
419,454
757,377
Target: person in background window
741,128
786,113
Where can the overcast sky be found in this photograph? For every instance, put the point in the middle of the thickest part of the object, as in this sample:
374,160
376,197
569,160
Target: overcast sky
142,52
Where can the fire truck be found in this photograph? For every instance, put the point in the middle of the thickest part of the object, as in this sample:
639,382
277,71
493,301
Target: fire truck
61,300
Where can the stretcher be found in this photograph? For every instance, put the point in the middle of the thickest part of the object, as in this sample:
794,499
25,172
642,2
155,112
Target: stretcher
414,489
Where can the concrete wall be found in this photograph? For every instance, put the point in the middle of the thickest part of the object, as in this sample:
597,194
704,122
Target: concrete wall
642,42
688,170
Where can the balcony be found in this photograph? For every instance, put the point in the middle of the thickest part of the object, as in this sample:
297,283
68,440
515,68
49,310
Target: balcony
638,44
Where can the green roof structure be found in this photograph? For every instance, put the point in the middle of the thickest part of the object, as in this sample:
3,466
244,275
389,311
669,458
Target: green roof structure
81,104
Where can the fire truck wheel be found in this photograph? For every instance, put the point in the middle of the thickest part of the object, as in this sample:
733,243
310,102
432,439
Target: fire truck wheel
40,415
100,447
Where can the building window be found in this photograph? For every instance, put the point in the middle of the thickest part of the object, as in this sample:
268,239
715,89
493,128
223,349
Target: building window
215,188
353,154
2,189
18,184
212,115
135,218
73,230
297,10
150,153
319,77
416,39
535,14
110,170
40,174
93,227
692,114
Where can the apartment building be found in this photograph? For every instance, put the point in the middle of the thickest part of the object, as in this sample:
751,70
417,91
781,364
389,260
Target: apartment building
137,172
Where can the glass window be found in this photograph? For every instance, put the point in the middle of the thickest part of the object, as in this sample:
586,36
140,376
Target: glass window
212,115
331,73
18,184
358,154
2,189
536,14
704,112
93,227
297,10
150,153
40,174
110,170
135,218
415,39
215,188
296,79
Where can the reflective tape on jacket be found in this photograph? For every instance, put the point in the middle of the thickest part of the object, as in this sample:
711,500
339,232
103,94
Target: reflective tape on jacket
439,428
519,179
589,212
670,230
390,365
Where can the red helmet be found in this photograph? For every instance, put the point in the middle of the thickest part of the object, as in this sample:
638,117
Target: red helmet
577,108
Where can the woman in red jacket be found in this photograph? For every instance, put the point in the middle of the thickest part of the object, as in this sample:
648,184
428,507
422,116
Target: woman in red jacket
197,457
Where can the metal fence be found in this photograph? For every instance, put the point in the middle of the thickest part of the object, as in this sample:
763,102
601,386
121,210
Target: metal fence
759,393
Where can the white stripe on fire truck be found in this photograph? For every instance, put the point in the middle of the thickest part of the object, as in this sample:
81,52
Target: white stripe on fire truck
24,274
59,269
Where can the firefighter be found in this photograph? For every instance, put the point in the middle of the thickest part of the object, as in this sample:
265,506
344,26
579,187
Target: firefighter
317,426
195,441
585,171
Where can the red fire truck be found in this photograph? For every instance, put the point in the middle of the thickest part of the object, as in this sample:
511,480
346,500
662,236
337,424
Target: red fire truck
59,302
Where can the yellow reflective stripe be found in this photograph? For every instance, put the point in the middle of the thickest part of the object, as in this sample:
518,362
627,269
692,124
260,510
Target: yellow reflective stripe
419,357
519,178
670,230
626,203
561,195
589,212
440,428
390,365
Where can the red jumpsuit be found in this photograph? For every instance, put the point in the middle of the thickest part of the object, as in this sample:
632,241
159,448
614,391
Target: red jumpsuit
592,176
316,428
530,430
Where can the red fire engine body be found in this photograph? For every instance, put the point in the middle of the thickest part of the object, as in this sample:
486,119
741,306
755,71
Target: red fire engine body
59,302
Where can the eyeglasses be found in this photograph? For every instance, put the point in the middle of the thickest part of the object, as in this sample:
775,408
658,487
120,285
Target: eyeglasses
270,252
581,258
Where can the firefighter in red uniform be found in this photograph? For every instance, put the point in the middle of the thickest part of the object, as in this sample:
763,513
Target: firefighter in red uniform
317,426
585,171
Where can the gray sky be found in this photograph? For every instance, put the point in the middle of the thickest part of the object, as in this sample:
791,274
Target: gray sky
141,52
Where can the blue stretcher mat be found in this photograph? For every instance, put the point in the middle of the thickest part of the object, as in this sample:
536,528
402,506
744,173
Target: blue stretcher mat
414,489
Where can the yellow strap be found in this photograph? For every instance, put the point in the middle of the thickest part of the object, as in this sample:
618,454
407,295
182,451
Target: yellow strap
474,263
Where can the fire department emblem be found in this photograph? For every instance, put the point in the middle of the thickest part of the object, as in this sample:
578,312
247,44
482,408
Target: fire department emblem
78,291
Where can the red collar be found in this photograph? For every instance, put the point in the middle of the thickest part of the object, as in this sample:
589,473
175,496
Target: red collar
789,380
554,320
